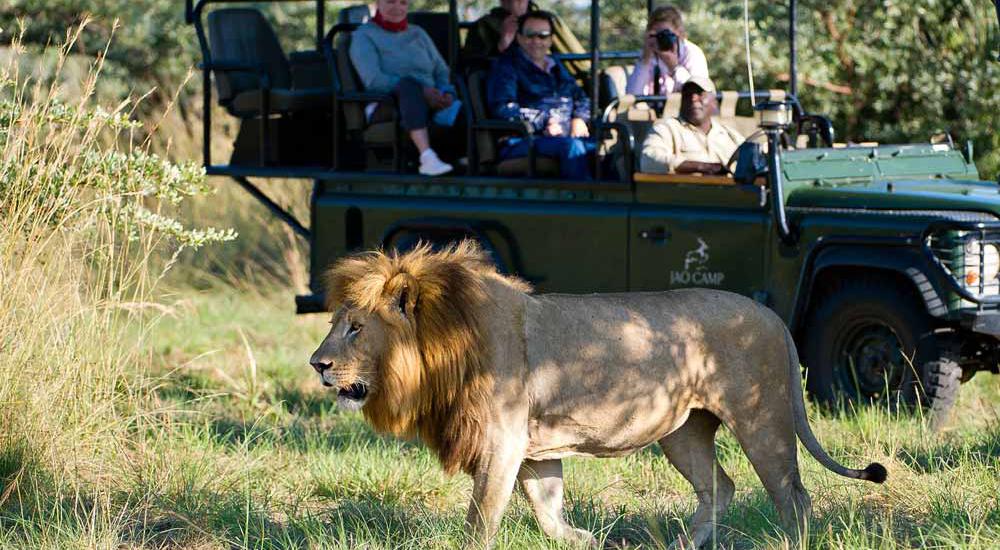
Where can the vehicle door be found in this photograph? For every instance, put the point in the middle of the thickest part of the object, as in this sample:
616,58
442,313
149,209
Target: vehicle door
698,231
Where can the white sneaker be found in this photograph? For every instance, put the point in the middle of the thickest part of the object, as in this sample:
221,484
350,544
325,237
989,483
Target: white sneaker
431,165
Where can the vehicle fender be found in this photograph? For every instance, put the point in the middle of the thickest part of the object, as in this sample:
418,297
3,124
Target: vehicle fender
928,280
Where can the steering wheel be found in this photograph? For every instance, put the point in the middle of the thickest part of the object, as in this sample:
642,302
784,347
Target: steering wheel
729,166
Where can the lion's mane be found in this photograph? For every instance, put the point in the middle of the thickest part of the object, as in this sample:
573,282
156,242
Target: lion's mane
434,380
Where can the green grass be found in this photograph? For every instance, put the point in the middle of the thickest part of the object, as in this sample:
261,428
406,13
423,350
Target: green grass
244,448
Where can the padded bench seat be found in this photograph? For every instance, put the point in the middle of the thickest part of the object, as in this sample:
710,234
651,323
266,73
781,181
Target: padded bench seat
283,100
696,179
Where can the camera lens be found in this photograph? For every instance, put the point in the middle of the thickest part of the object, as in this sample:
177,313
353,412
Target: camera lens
665,40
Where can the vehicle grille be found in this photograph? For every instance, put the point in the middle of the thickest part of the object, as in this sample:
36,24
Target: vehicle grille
972,257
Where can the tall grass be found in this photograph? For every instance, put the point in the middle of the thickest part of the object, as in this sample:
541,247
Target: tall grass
82,241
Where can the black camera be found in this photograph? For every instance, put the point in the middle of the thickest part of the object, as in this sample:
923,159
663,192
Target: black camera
666,40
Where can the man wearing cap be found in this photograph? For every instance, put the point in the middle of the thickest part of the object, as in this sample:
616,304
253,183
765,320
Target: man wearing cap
692,142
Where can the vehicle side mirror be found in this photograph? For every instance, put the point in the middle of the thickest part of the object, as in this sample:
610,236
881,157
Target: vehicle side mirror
819,129
750,162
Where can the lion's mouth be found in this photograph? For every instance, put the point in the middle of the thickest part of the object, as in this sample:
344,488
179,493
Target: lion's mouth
356,391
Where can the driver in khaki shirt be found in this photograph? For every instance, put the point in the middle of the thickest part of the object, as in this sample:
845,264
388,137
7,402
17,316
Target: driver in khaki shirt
692,142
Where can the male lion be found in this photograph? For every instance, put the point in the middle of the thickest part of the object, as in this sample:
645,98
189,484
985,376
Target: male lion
503,384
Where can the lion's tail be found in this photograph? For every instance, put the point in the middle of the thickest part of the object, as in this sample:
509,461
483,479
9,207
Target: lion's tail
875,472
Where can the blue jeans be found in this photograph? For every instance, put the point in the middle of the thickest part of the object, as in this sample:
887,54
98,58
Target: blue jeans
571,152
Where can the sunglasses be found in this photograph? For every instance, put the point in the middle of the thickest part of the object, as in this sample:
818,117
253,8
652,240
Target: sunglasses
537,34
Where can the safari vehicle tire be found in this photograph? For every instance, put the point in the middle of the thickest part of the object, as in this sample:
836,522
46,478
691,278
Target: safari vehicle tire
943,378
864,332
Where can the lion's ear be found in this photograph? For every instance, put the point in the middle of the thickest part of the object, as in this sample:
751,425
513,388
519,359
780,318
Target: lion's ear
401,293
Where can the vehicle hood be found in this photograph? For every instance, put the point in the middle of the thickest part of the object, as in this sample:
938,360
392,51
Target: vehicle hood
915,194
895,177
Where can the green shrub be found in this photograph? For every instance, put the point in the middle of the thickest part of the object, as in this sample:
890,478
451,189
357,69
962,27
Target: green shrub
83,231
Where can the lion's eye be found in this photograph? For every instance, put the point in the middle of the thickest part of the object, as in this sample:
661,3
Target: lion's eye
355,327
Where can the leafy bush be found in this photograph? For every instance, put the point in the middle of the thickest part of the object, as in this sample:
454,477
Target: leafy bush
83,226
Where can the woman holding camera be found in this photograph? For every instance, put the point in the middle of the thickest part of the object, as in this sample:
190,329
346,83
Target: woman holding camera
669,59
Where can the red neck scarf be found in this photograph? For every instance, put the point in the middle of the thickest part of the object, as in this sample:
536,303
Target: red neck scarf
388,25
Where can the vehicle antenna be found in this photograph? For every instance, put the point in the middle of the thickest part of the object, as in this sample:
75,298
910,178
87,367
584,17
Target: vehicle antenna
746,40
996,3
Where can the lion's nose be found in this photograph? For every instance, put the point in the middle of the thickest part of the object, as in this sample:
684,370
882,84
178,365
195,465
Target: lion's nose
320,366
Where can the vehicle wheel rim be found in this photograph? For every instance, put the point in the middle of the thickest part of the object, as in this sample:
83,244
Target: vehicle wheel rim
869,358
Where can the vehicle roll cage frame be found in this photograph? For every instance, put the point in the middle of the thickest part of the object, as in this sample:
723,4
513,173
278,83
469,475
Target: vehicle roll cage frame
194,10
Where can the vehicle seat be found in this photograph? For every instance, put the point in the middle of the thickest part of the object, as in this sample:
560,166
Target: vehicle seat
242,37
358,15
435,24
377,135
612,84
485,141
746,125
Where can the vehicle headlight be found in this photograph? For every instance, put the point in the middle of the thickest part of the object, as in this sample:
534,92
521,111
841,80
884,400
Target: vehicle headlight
989,255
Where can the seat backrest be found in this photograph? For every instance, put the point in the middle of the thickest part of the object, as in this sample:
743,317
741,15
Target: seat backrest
673,106
639,117
485,144
354,113
435,24
243,35
358,15
614,81
745,125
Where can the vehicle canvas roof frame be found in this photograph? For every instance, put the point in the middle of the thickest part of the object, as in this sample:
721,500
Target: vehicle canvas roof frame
194,11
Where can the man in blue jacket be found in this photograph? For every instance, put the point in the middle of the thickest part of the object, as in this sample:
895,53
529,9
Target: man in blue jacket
525,83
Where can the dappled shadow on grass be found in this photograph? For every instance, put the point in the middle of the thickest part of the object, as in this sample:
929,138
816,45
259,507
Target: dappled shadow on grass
359,521
749,517
947,456
184,386
337,433
348,523
752,522
305,404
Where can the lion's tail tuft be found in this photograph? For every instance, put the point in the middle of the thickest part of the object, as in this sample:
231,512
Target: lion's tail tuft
875,472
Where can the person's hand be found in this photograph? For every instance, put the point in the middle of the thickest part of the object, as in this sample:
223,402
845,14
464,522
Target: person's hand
578,128
670,57
649,48
435,99
446,100
508,31
432,95
553,127
712,168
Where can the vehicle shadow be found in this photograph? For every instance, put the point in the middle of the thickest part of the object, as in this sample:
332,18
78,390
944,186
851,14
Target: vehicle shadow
948,456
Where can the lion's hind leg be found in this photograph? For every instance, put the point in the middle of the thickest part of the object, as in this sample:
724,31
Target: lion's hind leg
769,441
542,483
691,449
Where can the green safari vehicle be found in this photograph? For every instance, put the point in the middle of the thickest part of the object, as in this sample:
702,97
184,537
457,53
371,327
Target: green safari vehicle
884,260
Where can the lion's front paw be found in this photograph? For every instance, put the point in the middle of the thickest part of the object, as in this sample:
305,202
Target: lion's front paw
683,543
583,538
